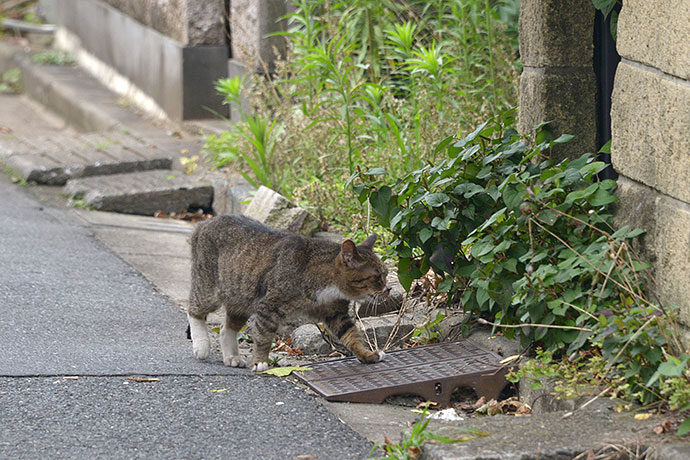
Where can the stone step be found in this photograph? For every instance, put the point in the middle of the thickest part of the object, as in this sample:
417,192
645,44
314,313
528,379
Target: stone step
143,193
53,160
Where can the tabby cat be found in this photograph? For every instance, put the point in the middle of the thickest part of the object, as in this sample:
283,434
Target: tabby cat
246,268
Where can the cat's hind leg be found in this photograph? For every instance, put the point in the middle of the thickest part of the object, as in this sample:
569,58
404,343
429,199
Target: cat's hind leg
228,340
201,344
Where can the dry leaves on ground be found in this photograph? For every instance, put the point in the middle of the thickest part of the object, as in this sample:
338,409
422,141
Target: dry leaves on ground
286,346
510,406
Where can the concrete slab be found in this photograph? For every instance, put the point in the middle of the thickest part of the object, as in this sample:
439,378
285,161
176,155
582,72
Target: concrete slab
547,436
157,248
143,193
373,421
55,159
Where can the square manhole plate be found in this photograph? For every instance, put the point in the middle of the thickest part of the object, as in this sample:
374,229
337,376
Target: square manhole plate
433,372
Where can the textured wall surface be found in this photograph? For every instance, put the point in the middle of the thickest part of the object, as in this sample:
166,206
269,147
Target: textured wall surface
558,81
190,22
251,22
651,137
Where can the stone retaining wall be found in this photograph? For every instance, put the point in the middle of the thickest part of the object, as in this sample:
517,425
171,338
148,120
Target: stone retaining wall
558,81
192,23
651,137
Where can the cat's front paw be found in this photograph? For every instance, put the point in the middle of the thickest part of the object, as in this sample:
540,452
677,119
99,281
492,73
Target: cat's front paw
372,357
260,367
201,349
234,361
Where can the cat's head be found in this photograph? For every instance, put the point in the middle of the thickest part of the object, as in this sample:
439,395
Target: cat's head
360,272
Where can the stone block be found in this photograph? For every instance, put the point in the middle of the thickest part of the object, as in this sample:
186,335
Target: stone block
190,22
142,193
250,24
667,242
568,98
231,195
556,33
650,122
308,338
656,34
278,212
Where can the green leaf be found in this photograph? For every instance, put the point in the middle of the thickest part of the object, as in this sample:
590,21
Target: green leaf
684,427
444,143
380,203
563,138
482,296
285,370
481,248
375,172
512,197
404,273
602,198
436,199
425,234
470,137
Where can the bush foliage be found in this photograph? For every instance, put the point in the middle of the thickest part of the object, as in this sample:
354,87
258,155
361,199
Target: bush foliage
527,245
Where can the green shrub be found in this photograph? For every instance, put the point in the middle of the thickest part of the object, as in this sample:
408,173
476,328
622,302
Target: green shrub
525,245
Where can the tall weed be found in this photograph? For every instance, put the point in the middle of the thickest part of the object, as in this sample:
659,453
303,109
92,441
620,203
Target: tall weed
372,83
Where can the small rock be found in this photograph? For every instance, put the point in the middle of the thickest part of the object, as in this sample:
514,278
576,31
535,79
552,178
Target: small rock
231,195
308,338
278,212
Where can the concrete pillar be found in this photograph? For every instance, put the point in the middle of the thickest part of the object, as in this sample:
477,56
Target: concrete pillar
558,81
251,22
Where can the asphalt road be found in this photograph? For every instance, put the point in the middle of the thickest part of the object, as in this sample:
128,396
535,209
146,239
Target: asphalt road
76,323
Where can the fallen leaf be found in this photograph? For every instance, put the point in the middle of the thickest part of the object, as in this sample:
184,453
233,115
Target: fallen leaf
510,359
428,405
646,416
143,380
285,370
414,452
5,130
664,427
480,402
387,441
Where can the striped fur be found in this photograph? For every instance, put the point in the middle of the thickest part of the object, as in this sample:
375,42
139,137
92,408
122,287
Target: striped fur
248,269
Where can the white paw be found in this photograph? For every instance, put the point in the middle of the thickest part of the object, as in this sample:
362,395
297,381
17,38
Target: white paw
234,361
381,356
260,367
201,349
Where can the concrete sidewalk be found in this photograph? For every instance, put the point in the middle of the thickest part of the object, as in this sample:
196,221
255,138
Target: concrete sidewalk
158,249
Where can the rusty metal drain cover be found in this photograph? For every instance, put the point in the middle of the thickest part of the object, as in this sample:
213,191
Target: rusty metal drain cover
433,372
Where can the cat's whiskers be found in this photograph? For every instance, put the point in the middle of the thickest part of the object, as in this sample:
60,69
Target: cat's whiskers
364,330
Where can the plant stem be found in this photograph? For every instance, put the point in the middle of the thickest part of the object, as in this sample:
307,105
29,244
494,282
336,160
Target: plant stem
492,70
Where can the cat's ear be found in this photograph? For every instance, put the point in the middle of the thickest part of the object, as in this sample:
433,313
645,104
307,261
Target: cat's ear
369,242
348,251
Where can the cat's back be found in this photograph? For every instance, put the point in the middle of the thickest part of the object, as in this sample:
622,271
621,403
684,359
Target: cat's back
234,230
